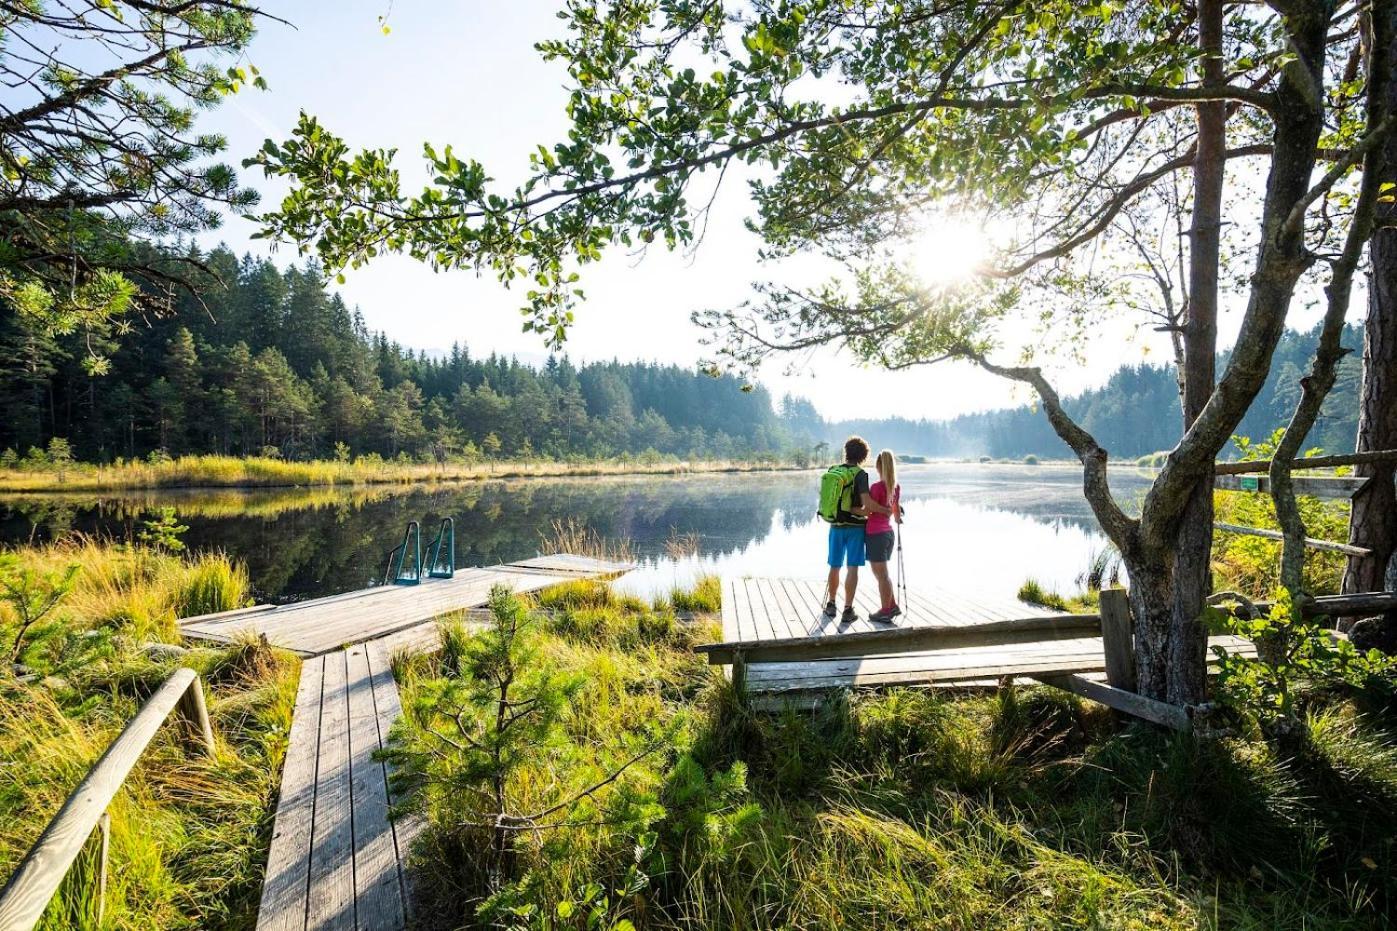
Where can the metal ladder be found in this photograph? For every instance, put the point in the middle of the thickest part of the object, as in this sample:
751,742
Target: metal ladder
397,571
441,555
441,552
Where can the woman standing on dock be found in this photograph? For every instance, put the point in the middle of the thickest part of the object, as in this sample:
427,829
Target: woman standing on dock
879,536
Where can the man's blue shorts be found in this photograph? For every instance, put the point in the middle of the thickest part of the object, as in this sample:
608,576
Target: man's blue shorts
846,546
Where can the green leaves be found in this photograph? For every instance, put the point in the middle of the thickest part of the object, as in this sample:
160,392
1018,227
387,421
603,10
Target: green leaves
856,120
107,156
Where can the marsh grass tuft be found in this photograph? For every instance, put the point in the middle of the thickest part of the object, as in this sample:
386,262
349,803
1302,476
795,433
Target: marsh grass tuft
704,597
211,583
572,535
1032,592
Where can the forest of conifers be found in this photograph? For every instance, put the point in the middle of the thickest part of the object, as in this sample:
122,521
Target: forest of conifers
271,360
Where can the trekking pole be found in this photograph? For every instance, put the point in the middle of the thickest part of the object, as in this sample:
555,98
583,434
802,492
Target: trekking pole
901,573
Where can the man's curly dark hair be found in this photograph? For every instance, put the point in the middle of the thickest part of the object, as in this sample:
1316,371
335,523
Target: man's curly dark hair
855,450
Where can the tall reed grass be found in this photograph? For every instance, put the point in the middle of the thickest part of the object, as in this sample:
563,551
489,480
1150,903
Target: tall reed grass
257,472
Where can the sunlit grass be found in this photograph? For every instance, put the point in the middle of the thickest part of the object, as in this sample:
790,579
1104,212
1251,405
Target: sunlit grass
258,472
922,809
1032,592
189,834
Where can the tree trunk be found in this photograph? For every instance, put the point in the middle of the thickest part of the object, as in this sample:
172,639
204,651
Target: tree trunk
1373,522
1186,681
1152,608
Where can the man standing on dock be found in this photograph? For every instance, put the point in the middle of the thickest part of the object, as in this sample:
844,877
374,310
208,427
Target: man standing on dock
846,504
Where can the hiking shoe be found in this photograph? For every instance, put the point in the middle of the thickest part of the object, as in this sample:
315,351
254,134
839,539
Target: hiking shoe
848,617
886,615
830,609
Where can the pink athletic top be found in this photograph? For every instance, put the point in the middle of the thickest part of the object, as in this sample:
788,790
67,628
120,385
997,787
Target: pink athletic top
881,523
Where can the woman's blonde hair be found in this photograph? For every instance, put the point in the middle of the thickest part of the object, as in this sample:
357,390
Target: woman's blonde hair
887,470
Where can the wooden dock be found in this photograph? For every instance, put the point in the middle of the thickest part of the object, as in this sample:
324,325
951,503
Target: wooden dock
321,625
790,650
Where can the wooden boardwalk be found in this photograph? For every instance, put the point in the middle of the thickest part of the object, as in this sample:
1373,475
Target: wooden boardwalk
767,611
336,860
320,625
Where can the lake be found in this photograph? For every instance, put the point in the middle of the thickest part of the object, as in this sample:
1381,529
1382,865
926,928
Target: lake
968,526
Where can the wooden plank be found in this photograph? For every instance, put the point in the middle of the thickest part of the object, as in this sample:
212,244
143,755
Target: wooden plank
777,610
767,621
569,562
1118,639
1313,485
1344,605
742,605
377,888
815,600
406,828
904,639
1311,542
809,613
932,668
326,624
283,906
1311,462
330,902
728,610
1148,709
926,610
810,618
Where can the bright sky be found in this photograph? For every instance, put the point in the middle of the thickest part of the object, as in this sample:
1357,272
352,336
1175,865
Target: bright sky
465,72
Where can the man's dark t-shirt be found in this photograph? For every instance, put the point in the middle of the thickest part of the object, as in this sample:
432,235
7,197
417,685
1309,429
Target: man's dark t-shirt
860,489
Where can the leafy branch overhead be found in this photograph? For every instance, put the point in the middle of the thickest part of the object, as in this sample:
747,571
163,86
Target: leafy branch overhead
100,154
985,104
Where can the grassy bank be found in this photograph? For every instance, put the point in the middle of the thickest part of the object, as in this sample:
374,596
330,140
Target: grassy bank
254,472
644,791
189,835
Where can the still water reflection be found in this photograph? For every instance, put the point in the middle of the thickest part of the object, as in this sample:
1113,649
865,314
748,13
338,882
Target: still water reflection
968,526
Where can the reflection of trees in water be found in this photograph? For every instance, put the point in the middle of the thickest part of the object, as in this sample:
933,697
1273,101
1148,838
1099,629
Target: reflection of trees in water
300,543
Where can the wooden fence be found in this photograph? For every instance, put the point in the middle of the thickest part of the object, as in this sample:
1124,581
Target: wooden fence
39,874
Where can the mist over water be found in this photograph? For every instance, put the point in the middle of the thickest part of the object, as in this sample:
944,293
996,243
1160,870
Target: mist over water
968,526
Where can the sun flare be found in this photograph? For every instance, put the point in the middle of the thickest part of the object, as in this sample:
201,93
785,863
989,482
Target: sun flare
949,251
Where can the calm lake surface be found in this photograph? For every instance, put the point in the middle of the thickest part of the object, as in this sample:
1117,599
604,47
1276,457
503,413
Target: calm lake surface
968,527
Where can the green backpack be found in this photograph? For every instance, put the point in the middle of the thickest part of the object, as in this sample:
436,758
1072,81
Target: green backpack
837,493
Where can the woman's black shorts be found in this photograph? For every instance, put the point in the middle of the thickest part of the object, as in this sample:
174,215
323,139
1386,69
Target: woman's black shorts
879,546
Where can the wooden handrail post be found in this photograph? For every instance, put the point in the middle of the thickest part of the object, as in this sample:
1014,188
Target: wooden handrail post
104,827
196,715
33,883
1117,639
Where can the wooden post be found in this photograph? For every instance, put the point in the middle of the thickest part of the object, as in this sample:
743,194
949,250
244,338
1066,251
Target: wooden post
739,672
1117,639
104,829
196,714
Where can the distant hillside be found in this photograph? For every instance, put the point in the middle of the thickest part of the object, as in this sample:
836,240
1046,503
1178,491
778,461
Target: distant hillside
1134,413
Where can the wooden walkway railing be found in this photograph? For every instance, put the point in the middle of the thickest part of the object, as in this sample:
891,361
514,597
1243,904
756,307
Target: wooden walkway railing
39,875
